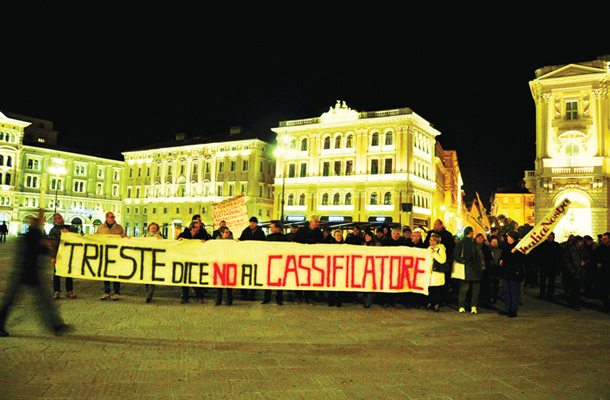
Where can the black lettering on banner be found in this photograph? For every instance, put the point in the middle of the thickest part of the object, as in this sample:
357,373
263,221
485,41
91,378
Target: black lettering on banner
133,261
174,265
108,260
72,245
246,272
256,275
155,264
202,274
86,258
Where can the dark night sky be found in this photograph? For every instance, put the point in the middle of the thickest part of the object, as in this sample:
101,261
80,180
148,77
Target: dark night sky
110,92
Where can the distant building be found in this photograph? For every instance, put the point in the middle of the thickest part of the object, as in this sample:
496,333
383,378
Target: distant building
355,166
37,173
518,206
573,145
170,182
447,202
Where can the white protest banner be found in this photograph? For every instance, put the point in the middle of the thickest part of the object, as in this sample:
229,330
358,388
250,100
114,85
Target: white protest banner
233,211
248,264
542,231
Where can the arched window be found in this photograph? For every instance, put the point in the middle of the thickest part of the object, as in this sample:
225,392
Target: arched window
349,141
338,142
7,179
336,199
572,149
302,199
304,144
388,139
375,139
373,201
387,198
348,199
9,161
290,199
325,199
327,143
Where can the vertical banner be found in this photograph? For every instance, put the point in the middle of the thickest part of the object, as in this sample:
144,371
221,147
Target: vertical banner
233,211
542,231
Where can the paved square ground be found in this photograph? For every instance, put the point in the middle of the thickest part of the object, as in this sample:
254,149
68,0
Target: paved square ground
128,349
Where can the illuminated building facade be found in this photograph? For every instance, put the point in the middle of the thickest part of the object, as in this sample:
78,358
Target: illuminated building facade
169,182
517,206
572,145
447,204
356,167
36,173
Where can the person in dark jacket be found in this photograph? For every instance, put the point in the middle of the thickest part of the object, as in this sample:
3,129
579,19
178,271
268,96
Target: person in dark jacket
276,235
54,238
201,234
355,237
485,259
513,272
191,234
465,253
574,261
370,239
548,257
392,299
224,235
252,232
308,234
602,263
27,271
216,233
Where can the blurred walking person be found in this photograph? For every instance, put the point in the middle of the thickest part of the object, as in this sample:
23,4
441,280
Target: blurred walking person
27,271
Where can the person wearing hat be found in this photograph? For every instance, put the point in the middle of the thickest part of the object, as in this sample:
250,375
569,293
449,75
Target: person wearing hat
465,252
252,232
512,270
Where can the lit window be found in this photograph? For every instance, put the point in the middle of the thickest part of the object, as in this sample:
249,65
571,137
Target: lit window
571,110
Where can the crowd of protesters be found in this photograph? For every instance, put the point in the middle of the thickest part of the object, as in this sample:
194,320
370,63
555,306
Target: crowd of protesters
493,270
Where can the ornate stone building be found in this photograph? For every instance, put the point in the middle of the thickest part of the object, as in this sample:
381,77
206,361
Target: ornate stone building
447,203
170,182
356,167
572,145
37,173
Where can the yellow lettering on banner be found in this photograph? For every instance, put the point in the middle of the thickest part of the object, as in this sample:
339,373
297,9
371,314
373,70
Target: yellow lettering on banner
249,264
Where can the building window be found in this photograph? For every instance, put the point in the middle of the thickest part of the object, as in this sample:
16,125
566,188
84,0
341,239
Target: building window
115,190
245,166
243,188
33,164
221,166
348,167
349,141
373,201
303,173
337,168
56,184
79,186
100,172
291,171
115,175
302,199
338,142
374,167
325,199
232,166
99,188
304,145
290,199
388,166
336,199
326,169
327,143
387,198
571,110
79,170
348,199
388,139
375,139
219,192
31,181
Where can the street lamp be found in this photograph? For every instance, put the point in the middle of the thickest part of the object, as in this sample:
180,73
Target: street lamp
57,170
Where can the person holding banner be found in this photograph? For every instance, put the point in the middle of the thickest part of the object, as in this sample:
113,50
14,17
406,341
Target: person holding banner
513,273
252,232
308,234
54,237
370,239
111,227
439,268
276,235
152,231
465,253
216,233
224,235
190,234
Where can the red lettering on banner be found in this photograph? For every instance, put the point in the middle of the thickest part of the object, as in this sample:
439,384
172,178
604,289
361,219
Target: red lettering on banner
231,270
416,272
320,270
306,268
369,269
335,268
279,281
353,263
405,270
399,284
293,260
225,274
382,268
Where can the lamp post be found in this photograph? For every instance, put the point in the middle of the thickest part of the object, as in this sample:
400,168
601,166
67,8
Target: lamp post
57,170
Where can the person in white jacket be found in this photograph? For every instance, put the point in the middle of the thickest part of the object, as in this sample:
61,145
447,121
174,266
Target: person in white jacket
437,278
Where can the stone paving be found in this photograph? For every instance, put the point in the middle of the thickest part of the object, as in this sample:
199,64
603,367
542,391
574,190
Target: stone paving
128,349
